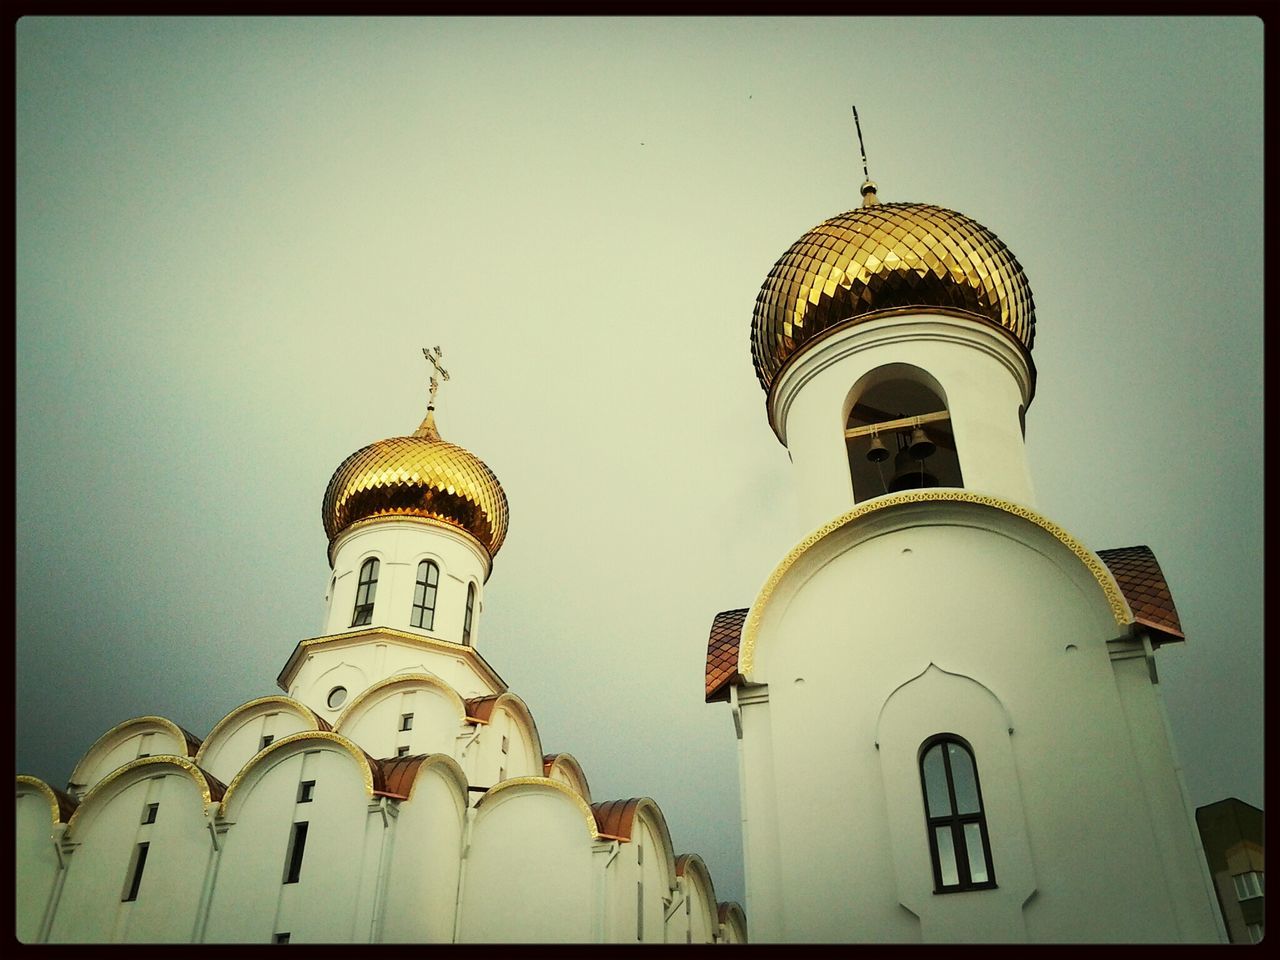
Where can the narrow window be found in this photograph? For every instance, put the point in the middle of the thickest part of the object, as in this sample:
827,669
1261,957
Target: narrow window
1248,885
639,909
406,721
424,595
293,859
958,841
136,867
306,790
502,773
466,623
504,744
368,586
280,938
265,741
402,751
149,814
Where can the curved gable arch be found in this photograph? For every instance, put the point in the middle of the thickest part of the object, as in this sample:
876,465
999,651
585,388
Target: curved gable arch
567,766
105,753
221,736
896,511
542,784
61,806
380,690
693,870
617,820
519,712
369,770
209,787
401,774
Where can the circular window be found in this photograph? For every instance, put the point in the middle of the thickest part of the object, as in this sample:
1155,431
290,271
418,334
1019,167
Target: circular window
337,697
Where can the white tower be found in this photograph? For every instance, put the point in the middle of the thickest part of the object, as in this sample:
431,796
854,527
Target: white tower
949,723
414,524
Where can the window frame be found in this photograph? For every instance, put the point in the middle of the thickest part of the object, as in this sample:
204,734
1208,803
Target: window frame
468,618
423,615
366,593
954,820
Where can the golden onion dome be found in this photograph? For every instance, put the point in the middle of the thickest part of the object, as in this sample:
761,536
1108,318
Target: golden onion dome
418,476
880,258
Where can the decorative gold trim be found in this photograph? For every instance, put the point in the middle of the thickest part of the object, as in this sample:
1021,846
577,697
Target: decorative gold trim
1119,608
413,518
296,705
158,759
45,789
426,678
164,722
568,791
275,745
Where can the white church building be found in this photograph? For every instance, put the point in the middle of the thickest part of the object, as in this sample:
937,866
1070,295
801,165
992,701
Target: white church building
394,791
949,720
947,708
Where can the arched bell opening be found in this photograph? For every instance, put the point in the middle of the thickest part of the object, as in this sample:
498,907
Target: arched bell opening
898,435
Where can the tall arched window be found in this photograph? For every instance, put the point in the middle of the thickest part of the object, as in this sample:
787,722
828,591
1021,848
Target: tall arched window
365,590
958,840
424,595
471,603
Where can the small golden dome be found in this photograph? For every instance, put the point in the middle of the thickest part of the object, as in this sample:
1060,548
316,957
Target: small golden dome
418,476
886,257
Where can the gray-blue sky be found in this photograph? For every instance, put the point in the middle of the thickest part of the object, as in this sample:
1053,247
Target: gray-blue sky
235,234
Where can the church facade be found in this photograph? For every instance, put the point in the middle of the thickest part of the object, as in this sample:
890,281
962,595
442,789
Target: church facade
948,712
394,790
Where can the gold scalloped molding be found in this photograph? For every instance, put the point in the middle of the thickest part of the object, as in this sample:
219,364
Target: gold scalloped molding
1119,608
568,791
46,791
275,745
167,759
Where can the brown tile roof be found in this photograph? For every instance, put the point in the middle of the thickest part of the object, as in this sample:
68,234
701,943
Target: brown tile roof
216,787
1142,582
66,804
548,761
481,708
722,652
615,818
398,774
193,742
682,861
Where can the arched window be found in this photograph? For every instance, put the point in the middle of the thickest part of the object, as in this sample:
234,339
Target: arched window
958,840
368,585
471,603
899,436
424,595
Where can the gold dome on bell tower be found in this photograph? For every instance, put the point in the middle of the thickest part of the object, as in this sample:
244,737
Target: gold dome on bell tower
884,258
418,476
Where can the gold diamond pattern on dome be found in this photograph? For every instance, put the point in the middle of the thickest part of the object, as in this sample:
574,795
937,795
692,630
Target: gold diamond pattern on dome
420,476
887,256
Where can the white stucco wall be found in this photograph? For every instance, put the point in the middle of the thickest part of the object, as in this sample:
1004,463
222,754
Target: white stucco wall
423,870
251,903
529,875
102,839
1016,627
37,856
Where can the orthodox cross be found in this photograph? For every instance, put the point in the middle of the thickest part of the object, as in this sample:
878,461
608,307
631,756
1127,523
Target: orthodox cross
433,355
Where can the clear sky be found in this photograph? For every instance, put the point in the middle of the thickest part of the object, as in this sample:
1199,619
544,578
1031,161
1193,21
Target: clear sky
235,235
